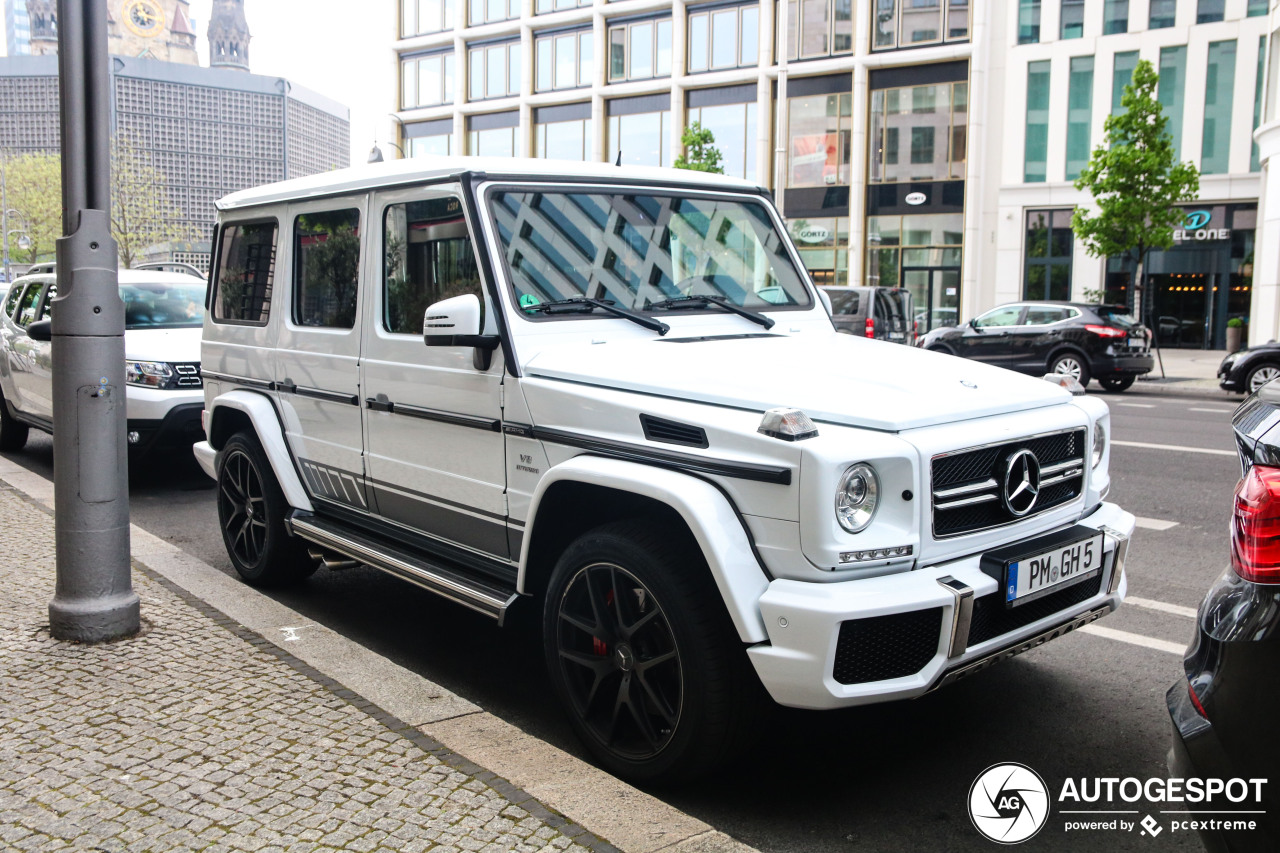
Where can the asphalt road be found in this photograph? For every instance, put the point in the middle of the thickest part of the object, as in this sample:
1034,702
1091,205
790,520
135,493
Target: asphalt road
885,778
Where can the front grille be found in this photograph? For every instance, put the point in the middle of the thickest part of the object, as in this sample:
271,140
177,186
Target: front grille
991,618
967,483
883,647
187,376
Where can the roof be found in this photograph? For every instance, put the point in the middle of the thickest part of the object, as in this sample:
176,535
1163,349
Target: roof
419,169
181,25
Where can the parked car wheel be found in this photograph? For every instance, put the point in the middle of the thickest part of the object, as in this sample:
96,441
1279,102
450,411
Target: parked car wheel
1260,375
13,434
1071,364
1116,384
643,656
251,512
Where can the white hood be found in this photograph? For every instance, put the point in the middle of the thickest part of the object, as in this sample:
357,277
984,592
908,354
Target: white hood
176,346
834,378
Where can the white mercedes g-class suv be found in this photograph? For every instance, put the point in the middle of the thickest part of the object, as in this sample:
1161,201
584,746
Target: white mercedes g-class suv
616,392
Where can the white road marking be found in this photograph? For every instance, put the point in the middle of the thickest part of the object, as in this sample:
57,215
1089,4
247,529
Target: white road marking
1163,607
1214,411
1137,405
1154,523
1177,447
1135,639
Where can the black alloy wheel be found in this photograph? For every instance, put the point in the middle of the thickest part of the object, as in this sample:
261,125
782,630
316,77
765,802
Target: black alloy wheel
13,433
1116,384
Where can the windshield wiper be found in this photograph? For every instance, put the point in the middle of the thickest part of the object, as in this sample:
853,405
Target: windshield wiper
585,305
707,301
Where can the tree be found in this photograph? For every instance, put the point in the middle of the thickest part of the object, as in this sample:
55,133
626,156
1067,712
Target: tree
700,153
1135,181
142,213
34,189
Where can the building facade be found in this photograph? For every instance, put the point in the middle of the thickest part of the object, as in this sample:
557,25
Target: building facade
17,28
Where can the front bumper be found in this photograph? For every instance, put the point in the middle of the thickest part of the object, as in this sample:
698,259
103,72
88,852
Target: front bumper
914,621
179,427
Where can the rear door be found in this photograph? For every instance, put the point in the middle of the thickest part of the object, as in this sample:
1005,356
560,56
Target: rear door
1038,335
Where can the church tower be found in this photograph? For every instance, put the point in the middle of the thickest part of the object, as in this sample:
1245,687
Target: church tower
43,15
228,36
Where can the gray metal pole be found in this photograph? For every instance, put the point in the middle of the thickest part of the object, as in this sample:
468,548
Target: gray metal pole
94,601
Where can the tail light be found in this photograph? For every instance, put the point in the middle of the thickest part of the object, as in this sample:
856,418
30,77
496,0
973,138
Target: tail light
1195,700
871,327
1106,331
1255,526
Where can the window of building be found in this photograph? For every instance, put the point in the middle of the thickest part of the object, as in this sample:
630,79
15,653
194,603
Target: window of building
426,81
429,138
493,134
724,38
1115,17
908,23
1121,76
1256,8
564,60
921,253
734,128
427,16
326,266
1255,161
1163,14
823,245
494,70
428,259
563,132
1028,21
1036,160
1209,11
245,270
641,129
1072,19
1048,255
1079,114
819,28
1173,62
639,50
488,11
820,140
932,120
545,6
1219,84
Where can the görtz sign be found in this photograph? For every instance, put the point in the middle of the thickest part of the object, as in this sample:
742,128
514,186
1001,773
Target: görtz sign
1195,228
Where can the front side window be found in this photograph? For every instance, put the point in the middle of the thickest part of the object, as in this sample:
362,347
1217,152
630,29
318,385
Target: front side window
564,60
494,71
326,268
1006,316
428,258
28,305
12,301
245,272
724,38
638,249
640,50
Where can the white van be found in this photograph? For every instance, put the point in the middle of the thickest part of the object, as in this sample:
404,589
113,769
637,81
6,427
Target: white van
615,395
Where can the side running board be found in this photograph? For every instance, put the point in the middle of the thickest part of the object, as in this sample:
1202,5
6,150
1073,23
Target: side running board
482,594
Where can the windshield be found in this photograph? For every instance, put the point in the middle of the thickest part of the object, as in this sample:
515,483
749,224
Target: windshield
163,305
641,249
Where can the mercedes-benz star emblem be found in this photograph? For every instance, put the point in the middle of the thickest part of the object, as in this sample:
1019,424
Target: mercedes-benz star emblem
1021,485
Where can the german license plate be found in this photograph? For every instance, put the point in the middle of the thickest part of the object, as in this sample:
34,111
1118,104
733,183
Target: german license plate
1137,343
1028,578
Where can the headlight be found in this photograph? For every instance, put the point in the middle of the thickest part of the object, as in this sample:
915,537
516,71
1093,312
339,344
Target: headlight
857,496
149,374
1099,442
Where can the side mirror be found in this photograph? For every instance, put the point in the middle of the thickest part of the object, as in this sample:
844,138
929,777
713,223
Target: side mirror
456,323
40,330
974,324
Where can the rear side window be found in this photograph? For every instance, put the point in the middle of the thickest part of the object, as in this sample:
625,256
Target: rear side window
326,268
1117,318
428,258
843,301
1045,316
245,273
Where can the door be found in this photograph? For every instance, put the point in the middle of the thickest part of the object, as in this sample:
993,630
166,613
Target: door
435,451
317,376
1037,336
990,337
32,361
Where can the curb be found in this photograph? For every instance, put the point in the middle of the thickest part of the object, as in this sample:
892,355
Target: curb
554,786
1196,389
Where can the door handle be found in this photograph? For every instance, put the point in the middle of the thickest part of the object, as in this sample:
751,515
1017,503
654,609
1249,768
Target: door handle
373,404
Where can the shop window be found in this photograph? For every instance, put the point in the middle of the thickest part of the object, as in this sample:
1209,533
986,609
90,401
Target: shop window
1209,11
1048,255
564,60
245,272
1163,14
439,145
494,70
724,38
1115,17
492,142
640,50
923,254
643,138
823,245
488,11
1072,19
1036,149
326,264
427,81
1219,84
1173,63
545,6
1255,162
734,129
563,140
419,17
933,120
1121,76
820,135
910,23
1079,114
1028,21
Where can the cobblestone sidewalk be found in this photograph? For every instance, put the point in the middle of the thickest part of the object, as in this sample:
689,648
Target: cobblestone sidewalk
199,735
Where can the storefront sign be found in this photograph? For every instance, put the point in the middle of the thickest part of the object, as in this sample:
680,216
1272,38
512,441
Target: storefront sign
813,234
1193,228
916,198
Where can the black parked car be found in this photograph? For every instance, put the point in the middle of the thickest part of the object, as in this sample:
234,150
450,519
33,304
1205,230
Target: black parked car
1224,712
886,313
1086,341
1249,369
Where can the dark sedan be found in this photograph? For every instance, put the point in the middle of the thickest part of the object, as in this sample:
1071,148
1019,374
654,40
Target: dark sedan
1249,369
1224,712
1085,341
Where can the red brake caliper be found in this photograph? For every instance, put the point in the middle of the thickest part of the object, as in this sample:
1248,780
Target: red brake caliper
598,645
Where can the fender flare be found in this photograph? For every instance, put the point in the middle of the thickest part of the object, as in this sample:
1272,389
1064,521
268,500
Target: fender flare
710,516
266,424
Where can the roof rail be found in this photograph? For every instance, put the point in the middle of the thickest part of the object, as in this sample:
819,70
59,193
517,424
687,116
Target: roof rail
172,266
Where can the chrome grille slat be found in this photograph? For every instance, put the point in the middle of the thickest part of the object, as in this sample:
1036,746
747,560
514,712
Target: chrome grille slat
943,494
966,502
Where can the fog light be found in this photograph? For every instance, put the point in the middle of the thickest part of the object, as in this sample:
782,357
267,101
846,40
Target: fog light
876,554
134,436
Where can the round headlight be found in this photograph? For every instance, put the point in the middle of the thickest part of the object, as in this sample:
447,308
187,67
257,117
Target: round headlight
856,497
1099,442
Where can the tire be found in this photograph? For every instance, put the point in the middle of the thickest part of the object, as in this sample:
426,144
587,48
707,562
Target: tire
13,434
1116,384
251,513
644,658
1259,376
1072,364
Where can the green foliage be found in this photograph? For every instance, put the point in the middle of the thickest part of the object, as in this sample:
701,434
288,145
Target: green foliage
1133,178
1235,323
33,184
142,214
700,153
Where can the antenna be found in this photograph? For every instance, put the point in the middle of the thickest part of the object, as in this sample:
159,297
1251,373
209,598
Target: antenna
618,162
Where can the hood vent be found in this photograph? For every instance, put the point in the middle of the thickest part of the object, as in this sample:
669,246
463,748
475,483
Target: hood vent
671,432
